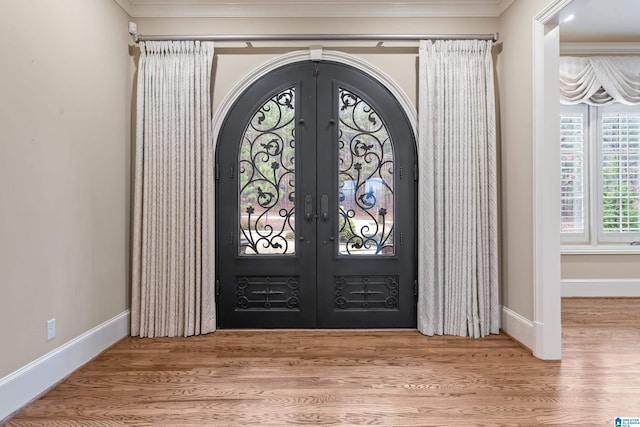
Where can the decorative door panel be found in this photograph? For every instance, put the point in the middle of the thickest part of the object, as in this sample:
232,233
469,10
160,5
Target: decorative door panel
316,204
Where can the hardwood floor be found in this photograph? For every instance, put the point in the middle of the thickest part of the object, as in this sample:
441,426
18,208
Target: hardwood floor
359,377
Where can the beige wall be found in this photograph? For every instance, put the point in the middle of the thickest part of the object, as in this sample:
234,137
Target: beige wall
65,97
233,61
516,118
601,266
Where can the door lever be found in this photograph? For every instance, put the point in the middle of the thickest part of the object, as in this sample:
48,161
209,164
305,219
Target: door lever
308,208
324,207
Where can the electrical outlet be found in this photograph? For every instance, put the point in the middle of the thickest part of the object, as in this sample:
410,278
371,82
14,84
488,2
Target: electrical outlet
51,329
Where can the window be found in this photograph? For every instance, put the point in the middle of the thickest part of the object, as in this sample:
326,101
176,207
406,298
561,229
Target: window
573,179
600,174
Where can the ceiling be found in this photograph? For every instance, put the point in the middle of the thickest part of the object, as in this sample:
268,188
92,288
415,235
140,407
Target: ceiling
314,8
601,21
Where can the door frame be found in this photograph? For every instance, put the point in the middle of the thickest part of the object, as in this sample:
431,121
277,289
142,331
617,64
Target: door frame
221,113
547,321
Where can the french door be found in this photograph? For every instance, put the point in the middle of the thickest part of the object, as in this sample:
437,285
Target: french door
316,204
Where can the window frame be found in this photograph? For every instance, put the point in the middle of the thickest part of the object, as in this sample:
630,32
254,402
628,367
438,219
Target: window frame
594,238
602,236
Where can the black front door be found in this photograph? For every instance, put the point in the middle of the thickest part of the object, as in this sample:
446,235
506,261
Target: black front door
316,204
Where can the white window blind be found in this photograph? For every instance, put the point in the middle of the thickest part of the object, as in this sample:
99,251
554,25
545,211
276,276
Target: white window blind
620,173
600,174
573,174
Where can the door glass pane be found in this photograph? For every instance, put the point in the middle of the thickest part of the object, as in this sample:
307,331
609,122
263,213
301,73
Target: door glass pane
365,179
266,167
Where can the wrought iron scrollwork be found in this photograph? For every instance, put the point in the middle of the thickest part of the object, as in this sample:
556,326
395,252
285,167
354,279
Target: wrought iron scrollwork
267,292
365,165
267,178
366,292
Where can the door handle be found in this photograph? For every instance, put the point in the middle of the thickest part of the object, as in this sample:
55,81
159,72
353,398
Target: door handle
324,207
308,208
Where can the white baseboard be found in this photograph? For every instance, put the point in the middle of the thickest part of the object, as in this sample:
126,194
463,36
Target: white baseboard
27,383
518,327
600,287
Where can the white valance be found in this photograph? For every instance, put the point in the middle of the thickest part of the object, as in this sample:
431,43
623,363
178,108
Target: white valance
599,80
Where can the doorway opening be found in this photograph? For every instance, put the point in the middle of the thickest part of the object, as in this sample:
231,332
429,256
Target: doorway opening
316,203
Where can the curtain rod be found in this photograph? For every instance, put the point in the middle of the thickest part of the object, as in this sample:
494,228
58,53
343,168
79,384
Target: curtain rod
318,37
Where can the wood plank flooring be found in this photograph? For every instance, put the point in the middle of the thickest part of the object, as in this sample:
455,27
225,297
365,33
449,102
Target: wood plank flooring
393,378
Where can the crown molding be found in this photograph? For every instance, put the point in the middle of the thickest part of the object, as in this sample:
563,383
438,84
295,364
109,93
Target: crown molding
549,14
313,8
603,48
125,5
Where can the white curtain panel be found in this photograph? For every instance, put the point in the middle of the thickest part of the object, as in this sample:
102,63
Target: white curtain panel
600,80
172,255
457,190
